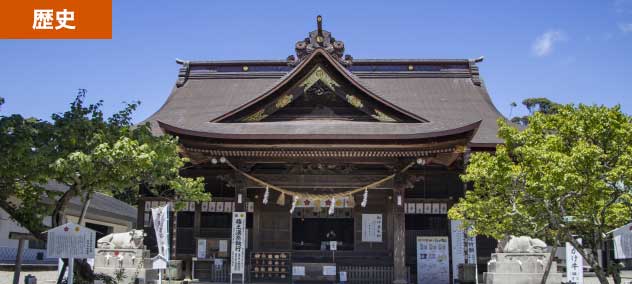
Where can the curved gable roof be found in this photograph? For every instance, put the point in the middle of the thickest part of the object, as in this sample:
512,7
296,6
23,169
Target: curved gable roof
304,71
447,98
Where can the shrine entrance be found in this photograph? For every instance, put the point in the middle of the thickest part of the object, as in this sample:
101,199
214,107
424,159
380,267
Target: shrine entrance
314,230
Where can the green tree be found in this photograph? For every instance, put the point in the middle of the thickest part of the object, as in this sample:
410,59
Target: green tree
533,105
88,153
566,174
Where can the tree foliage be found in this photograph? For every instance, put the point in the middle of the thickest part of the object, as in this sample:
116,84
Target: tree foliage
89,153
567,173
533,105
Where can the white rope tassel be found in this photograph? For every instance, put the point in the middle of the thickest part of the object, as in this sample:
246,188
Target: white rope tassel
294,201
364,197
266,195
332,206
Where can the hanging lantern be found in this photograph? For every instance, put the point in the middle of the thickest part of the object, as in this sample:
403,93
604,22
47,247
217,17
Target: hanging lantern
294,201
266,195
332,206
281,200
351,202
365,197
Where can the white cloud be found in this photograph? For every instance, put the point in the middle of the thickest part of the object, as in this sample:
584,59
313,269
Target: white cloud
543,45
626,28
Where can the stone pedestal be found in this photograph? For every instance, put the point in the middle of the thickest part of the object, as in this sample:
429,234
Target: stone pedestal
132,263
520,268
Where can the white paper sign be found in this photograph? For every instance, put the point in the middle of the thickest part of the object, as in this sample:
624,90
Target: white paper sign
238,248
160,216
333,245
223,245
218,263
433,260
420,208
343,276
329,270
298,270
574,264
372,228
70,241
201,249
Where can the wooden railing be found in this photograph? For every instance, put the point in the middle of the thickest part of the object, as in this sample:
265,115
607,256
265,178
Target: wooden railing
205,271
371,274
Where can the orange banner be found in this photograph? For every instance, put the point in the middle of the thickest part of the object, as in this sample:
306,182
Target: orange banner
56,19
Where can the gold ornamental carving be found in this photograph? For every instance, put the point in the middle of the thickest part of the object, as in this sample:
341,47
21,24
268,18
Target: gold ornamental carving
382,116
354,101
319,75
257,116
284,101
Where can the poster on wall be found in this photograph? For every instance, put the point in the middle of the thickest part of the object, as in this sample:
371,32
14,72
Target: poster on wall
433,261
238,248
372,228
463,247
201,248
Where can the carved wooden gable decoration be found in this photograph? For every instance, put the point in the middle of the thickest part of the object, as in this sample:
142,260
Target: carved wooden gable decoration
319,87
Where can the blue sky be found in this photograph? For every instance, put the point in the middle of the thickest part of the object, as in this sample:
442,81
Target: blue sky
568,51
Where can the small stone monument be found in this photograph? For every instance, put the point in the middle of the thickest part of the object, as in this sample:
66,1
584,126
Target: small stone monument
123,255
520,260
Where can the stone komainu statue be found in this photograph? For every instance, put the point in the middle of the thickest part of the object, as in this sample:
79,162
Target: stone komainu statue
522,244
128,240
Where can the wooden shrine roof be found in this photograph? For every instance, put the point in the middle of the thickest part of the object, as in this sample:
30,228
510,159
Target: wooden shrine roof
447,94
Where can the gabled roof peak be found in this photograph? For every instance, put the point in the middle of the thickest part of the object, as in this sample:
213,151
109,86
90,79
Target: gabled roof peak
319,39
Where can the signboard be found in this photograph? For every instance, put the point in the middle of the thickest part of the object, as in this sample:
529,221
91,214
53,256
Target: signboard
70,241
622,238
463,247
574,264
160,216
201,249
333,245
329,270
343,276
298,270
238,248
218,263
372,228
433,261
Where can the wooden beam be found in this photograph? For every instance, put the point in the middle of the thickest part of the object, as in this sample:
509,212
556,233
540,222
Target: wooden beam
22,236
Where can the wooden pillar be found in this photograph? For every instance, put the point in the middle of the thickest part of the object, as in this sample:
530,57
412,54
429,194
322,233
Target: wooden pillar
399,232
140,214
197,219
18,262
21,237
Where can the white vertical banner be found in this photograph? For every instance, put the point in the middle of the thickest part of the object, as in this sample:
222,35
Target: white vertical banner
238,248
458,247
160,216
463,247
433,260
574,264
622,238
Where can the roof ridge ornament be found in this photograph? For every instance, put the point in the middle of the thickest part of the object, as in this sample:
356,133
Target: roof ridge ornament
320,38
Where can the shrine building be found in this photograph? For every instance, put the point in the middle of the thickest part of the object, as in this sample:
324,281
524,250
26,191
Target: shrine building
338,161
